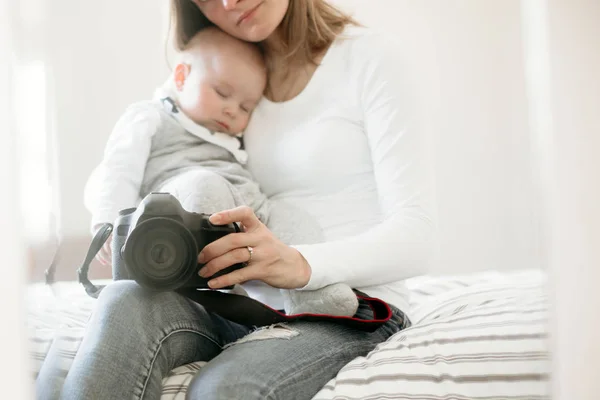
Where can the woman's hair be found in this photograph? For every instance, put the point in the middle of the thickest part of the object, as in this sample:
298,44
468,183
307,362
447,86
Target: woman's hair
187,19
308,27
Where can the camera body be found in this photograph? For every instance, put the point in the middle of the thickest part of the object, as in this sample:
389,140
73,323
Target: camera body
157,244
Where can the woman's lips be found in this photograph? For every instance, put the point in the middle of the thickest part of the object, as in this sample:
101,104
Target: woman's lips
248,14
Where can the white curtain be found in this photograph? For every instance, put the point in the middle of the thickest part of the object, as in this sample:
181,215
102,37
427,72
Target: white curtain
12,335
563,64
38,185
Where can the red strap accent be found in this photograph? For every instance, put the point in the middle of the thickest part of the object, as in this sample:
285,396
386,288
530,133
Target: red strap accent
247,311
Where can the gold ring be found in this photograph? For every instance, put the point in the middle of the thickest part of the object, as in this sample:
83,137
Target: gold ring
251,251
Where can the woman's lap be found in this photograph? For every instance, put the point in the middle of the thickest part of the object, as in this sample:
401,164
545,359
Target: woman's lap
135,338
295,364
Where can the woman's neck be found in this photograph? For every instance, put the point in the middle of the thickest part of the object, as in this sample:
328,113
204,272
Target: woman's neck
274,47
288,76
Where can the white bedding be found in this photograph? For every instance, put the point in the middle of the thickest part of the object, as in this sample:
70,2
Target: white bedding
480,336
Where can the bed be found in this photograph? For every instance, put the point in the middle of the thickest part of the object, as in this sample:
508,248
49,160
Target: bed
479,336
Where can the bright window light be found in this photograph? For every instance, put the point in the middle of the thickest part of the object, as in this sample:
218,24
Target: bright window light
34,175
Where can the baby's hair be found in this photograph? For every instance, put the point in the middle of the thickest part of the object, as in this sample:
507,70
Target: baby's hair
212,39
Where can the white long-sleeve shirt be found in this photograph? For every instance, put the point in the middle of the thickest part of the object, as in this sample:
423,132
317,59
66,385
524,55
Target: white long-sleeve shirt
346,150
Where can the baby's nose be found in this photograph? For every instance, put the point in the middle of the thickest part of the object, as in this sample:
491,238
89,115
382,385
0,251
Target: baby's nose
229,112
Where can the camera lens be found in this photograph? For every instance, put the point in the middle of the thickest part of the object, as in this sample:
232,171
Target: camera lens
161,254
162,251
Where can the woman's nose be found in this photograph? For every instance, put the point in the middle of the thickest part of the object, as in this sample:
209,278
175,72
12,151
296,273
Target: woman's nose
230,4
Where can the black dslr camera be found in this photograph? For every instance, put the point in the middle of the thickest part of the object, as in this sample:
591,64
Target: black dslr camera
157,244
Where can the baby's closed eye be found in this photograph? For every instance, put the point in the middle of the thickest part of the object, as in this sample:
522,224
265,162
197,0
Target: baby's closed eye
248,106
222,91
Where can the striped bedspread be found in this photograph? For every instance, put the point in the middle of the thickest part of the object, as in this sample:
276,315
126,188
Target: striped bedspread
480,336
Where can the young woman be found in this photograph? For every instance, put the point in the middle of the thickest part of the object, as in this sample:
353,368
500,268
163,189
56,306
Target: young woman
334,136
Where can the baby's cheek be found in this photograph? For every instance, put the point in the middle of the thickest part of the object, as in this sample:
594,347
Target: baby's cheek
243,123
208,100
208,108
195,112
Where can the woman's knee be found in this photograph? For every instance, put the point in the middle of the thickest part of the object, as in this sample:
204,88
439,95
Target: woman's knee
127,303
122,300
121,293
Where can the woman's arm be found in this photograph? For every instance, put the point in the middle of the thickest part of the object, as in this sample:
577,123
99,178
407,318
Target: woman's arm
402,245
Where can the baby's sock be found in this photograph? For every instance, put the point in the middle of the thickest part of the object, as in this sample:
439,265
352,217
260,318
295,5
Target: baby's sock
337,299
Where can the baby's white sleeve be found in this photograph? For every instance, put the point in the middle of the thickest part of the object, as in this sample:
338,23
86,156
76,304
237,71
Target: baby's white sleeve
115,183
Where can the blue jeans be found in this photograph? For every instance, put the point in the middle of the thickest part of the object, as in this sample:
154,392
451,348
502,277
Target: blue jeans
136,337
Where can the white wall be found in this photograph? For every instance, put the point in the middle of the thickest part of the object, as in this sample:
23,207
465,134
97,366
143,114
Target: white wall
466,59
103,56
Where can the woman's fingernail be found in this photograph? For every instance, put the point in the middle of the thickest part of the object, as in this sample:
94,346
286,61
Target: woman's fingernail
201,258
212,284
216,218
202,272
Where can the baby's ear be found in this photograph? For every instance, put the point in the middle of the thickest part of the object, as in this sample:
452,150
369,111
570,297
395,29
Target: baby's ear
180,73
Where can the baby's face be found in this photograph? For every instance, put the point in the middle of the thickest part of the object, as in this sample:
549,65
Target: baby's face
222,95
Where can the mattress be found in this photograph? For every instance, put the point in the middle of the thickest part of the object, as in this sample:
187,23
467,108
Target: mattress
478,336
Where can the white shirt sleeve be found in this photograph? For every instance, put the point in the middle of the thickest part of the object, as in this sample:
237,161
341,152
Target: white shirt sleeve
402,245
115,183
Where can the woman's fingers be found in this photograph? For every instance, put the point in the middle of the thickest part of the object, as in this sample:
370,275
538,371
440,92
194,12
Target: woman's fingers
226,244
232,241
235,256
243,215
251,272
273,262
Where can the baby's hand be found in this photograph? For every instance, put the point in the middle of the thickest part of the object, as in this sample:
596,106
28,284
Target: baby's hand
105,253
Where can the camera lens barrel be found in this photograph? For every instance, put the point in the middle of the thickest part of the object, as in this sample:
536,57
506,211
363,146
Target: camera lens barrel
161,254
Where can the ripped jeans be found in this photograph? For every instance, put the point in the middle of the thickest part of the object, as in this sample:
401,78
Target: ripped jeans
135,338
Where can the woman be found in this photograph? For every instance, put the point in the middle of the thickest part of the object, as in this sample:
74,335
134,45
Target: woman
332,136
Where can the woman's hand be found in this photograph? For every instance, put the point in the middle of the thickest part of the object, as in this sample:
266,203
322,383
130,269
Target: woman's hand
272,261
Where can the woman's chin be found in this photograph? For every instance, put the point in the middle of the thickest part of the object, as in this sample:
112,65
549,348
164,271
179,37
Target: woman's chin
255,31
256,35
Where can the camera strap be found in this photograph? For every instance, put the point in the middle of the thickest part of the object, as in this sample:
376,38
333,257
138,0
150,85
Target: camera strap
98,241
242,309
247,311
